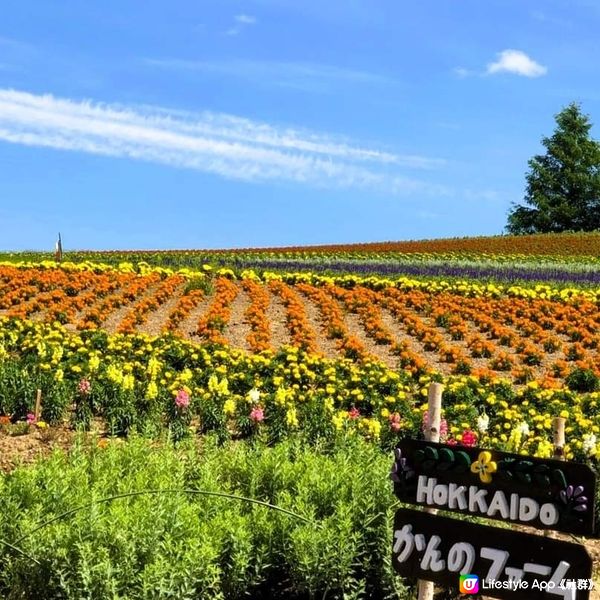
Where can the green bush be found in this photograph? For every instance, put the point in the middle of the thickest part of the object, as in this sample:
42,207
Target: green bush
183,545
583,380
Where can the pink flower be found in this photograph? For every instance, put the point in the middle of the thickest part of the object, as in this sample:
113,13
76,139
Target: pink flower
257,414
31,419
469,438
84,387
395,422
452,442
354,413
182,399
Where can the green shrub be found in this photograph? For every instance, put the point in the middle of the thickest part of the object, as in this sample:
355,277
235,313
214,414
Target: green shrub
178,545
583,380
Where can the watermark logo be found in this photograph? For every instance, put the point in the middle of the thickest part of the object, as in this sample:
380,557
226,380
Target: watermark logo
468,584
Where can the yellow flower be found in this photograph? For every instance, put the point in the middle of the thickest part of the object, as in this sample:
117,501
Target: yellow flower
229,407
484,466
152,391
291,417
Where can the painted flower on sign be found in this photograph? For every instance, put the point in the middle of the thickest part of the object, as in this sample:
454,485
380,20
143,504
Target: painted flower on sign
401,470
573,497
484,466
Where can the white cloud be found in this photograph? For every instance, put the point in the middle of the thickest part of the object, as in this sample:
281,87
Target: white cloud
461,72
241,22
224,145
246,19
517,62
304,76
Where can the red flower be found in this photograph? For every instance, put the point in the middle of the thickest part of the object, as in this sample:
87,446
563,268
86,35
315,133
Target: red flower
469,438
354,413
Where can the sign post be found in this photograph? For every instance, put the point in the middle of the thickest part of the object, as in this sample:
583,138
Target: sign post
432,434
548,494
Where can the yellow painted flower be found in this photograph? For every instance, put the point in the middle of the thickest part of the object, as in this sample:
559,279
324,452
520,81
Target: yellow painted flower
484,466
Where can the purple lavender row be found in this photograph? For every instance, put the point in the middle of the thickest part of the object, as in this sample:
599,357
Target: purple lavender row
501,273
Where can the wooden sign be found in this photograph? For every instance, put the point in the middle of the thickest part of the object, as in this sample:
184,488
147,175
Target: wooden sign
477,559
543,493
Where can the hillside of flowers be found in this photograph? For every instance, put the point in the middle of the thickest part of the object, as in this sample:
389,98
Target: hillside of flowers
143,348
222,426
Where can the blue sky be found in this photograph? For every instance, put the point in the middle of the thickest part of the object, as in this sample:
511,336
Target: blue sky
279,122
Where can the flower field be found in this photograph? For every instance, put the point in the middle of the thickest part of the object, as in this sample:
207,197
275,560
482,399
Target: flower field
275,353
521,334
286,387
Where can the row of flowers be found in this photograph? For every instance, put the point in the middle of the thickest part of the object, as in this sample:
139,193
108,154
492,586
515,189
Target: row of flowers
466,287
527,338
213,322
136,381
140,311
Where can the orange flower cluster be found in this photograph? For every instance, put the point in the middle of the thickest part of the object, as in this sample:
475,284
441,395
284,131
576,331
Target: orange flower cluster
140,310
531,328
362,301
259,338
135,286
185,305
303,335
53,295
213,323
332,319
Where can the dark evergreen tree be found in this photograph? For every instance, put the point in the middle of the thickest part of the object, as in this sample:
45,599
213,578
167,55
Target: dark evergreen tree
563,185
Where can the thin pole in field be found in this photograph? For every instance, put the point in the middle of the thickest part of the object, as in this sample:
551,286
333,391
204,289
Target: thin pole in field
432,434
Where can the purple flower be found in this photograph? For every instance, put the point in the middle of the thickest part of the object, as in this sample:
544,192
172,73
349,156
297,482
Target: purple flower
574,497
401,470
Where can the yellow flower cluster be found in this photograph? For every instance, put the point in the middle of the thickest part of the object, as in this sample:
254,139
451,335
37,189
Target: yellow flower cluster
295,389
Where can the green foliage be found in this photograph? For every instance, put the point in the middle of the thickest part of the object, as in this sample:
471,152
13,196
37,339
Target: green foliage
563,185
178,545
199,283
583,380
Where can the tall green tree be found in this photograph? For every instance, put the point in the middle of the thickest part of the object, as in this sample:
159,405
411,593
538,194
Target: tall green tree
563,185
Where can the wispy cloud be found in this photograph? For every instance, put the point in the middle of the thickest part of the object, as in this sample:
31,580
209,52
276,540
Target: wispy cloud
241,21
246,19
516,62
224,145
303,76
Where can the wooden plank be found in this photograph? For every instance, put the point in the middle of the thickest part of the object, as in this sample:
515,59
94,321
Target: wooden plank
507,563
543,493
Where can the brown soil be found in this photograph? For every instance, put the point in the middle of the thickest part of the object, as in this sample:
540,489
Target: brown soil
280,335
237,328
24,449
187,328
114,319
313,316
157,319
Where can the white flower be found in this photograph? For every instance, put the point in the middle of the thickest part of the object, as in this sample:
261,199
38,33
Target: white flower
254,395
589,443
523,428
483,422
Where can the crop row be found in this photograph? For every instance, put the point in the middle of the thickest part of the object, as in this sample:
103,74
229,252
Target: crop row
143,383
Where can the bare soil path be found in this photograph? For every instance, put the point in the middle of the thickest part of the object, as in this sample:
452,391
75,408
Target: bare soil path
157,319
237,328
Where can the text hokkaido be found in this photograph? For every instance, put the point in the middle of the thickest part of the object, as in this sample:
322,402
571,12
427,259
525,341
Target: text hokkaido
475,500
